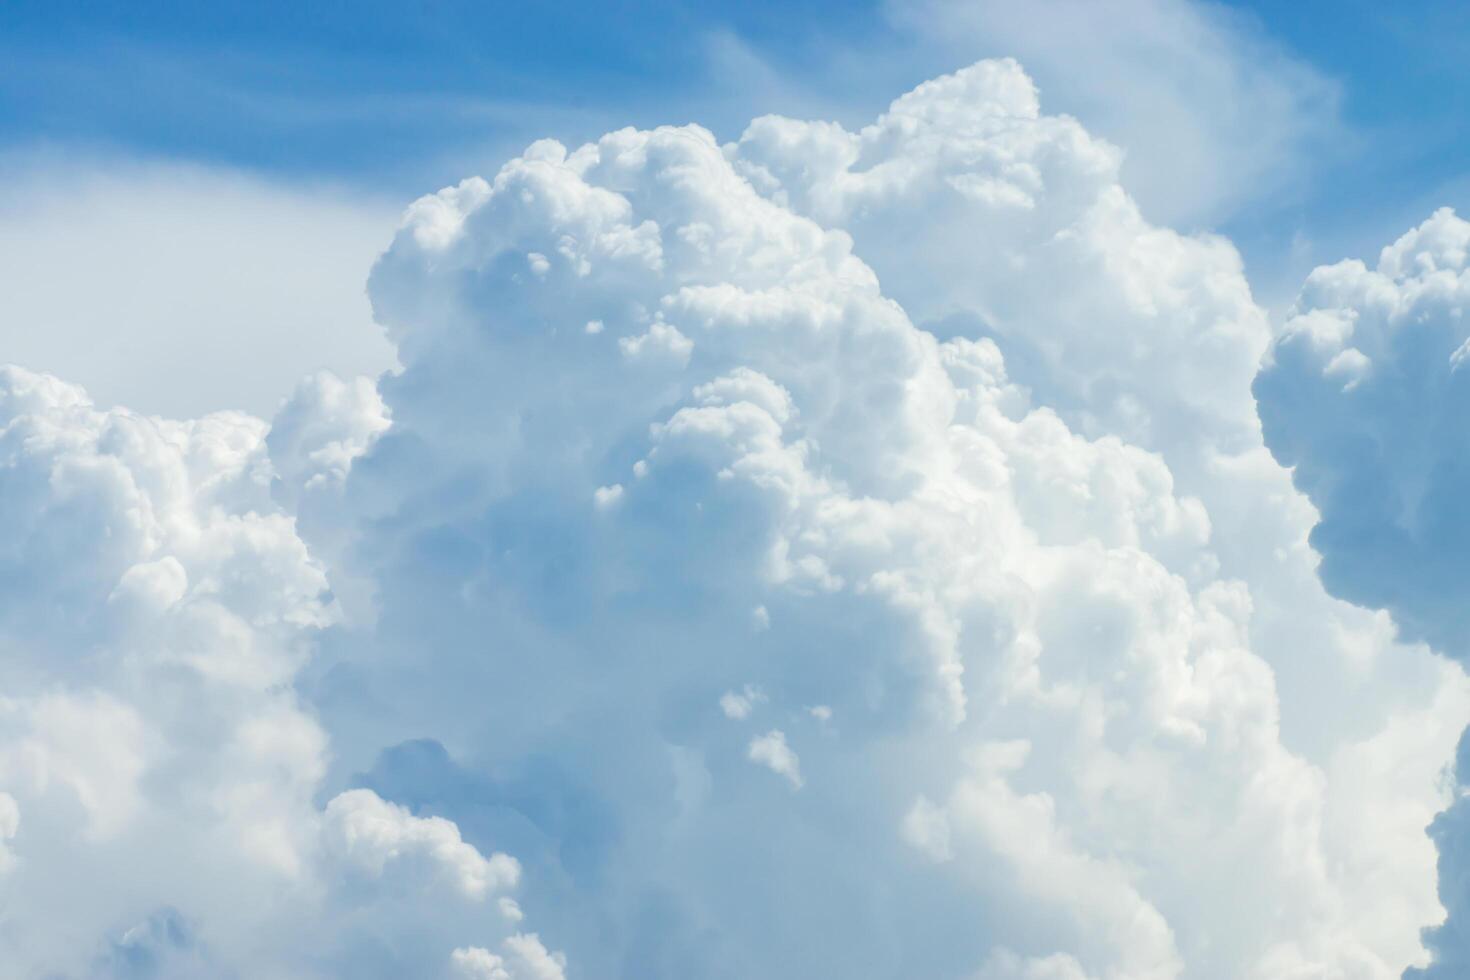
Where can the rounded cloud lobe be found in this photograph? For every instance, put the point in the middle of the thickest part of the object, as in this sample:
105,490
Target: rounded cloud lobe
895,582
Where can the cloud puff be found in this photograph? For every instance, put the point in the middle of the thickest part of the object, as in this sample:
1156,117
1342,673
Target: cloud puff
770,750
369,833
317,433
528,960
738,706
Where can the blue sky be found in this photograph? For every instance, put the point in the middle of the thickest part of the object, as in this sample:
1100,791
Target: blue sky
393,95
374,94
940,507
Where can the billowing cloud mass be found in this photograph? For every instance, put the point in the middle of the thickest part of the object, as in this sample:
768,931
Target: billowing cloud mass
825,554
1365,397
1214,114
164,812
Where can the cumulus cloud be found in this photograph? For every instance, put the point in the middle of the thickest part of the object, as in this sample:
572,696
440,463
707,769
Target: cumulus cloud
474,963
369,833
921,427
535,960
1365,397
526,959
156,604
1035,555
324,425
159,608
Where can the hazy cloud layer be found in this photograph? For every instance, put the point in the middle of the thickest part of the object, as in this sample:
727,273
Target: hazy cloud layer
180,290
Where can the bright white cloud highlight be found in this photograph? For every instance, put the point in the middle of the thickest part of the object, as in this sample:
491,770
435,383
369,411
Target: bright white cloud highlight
370,834
526,959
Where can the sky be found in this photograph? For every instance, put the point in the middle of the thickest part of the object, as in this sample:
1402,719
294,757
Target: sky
561,491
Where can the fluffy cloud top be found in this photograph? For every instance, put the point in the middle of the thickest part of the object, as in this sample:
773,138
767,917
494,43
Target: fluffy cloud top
896,582
367,833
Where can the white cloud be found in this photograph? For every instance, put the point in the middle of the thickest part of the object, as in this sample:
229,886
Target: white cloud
158,603
525,959
1050,519
474,963
535,960
661,341
771,751
370,834
1005,965
9,827
320,429
737,705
